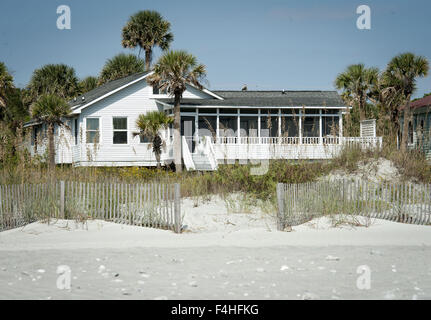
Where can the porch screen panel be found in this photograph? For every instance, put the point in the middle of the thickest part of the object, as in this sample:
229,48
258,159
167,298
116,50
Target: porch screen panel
228,126
207,126
269,126
310,127
330,126
249,126
290,126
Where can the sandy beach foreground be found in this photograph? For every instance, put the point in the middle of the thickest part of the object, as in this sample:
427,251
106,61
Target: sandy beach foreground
314,261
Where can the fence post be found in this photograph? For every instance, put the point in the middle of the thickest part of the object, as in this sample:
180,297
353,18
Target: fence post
62,189
177,208
280,212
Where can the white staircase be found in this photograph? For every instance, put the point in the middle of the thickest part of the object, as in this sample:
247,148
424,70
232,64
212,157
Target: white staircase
202,163
204,157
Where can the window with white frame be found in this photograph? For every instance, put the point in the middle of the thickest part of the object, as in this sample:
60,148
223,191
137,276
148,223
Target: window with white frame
119,130
92,130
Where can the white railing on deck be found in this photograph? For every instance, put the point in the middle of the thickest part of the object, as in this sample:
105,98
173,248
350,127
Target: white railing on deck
363,141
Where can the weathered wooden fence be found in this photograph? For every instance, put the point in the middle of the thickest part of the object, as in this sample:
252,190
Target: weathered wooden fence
154,205
407,203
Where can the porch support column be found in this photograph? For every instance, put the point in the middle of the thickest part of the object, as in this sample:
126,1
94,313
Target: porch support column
218,125
300,126
340,125
197,124
320,128
279,124
238,125
259,125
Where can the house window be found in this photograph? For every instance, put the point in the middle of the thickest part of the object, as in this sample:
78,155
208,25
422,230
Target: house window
75,133
35,135
120,130
92,130
410,133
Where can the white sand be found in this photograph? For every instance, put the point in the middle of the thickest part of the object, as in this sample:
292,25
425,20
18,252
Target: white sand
374,170
221,256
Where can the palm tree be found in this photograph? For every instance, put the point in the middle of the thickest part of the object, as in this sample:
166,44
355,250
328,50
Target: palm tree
404,70
54,79
147,29
6,83
50,109
120,66
171,73
150,125
387,97
88,84
357,83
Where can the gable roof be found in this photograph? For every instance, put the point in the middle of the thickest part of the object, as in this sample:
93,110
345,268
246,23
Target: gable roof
267,98
424,102
420,103
105,89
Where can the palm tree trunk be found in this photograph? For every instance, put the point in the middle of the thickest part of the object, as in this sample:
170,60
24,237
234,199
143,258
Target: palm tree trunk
51,147
362,103
159,166
177,133
405,134
148,54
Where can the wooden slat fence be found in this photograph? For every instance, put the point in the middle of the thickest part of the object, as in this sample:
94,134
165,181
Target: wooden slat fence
406,203
155,205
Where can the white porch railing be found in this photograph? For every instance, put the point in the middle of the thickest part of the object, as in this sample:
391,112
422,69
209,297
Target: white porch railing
363,141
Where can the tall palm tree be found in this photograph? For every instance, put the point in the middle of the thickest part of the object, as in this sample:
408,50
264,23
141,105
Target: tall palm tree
150,125
120,66
55,79
404,69
50,109
387,97
171,73
6,83
147,29
87,84
357,82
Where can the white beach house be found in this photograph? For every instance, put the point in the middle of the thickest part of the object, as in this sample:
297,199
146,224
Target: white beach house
216,126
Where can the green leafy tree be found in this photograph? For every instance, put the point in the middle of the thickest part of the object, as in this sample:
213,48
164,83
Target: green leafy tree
88,84
50,109
120,66
357,82
403,70
6,83
146,30
150,125
53,79
171,73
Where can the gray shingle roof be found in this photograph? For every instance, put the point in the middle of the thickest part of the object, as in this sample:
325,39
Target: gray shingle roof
267,99
104,89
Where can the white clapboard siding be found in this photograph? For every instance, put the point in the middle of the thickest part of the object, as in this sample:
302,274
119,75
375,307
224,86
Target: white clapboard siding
130,102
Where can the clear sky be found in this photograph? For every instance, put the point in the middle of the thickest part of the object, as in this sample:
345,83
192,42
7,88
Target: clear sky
271,44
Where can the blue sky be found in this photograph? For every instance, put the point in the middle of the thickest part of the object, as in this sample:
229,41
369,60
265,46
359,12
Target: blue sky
272,44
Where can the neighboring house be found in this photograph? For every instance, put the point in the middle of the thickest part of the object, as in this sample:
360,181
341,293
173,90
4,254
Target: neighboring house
420,126
216,126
